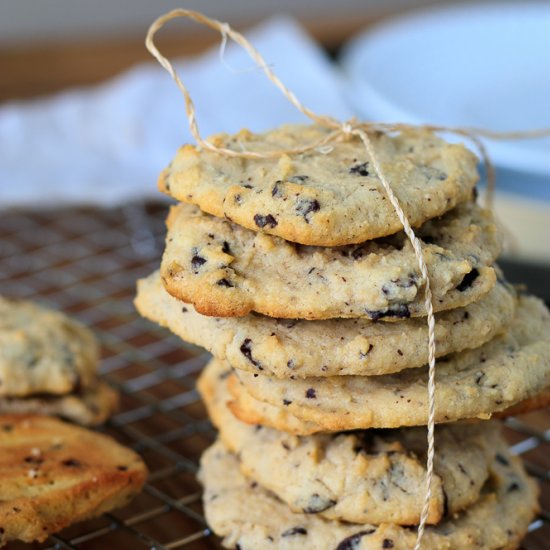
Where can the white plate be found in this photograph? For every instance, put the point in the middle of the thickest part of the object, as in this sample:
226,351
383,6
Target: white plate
485,66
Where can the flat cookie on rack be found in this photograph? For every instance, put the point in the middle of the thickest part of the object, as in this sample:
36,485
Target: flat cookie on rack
298,348
91,406
225,270
325,197
43,351
373,476
248,516
474,383
53,474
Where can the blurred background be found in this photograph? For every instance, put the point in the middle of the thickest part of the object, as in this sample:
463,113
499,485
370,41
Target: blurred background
105,37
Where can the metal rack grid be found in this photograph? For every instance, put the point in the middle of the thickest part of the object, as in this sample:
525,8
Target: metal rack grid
86,262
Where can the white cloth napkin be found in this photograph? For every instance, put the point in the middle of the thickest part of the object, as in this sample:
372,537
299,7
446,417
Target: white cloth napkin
106,145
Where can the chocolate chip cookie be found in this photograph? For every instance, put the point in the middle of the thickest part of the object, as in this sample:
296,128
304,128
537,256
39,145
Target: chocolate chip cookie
225,270
474,383
298,348
325,197
53,474
372,476
43,351
248,516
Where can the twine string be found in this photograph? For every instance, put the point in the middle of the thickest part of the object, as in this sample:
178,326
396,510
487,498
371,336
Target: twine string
338,132
417,246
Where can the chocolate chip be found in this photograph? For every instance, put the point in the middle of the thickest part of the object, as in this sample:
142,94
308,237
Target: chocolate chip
247,186
407,282
479,377
502,460
246,350
294,531
310,393
7,427
513,487
225,248
298,179
184,309
197,261
317,503
262,221
277,191
71,463
387,543
304,207
33,459
360,169
363,354
400,311
290,364
468,279
225,282
77,384
353,542
286,402
445,503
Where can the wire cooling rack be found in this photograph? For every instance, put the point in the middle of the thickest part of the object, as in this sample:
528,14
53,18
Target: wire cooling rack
86,262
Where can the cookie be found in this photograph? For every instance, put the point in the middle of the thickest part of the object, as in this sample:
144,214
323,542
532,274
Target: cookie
326,197
225,270
43,351
297,348
372,476
254,412
248,516
53,474
473,383
90,407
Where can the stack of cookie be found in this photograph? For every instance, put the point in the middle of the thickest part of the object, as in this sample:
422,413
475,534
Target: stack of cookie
48,365
295,274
